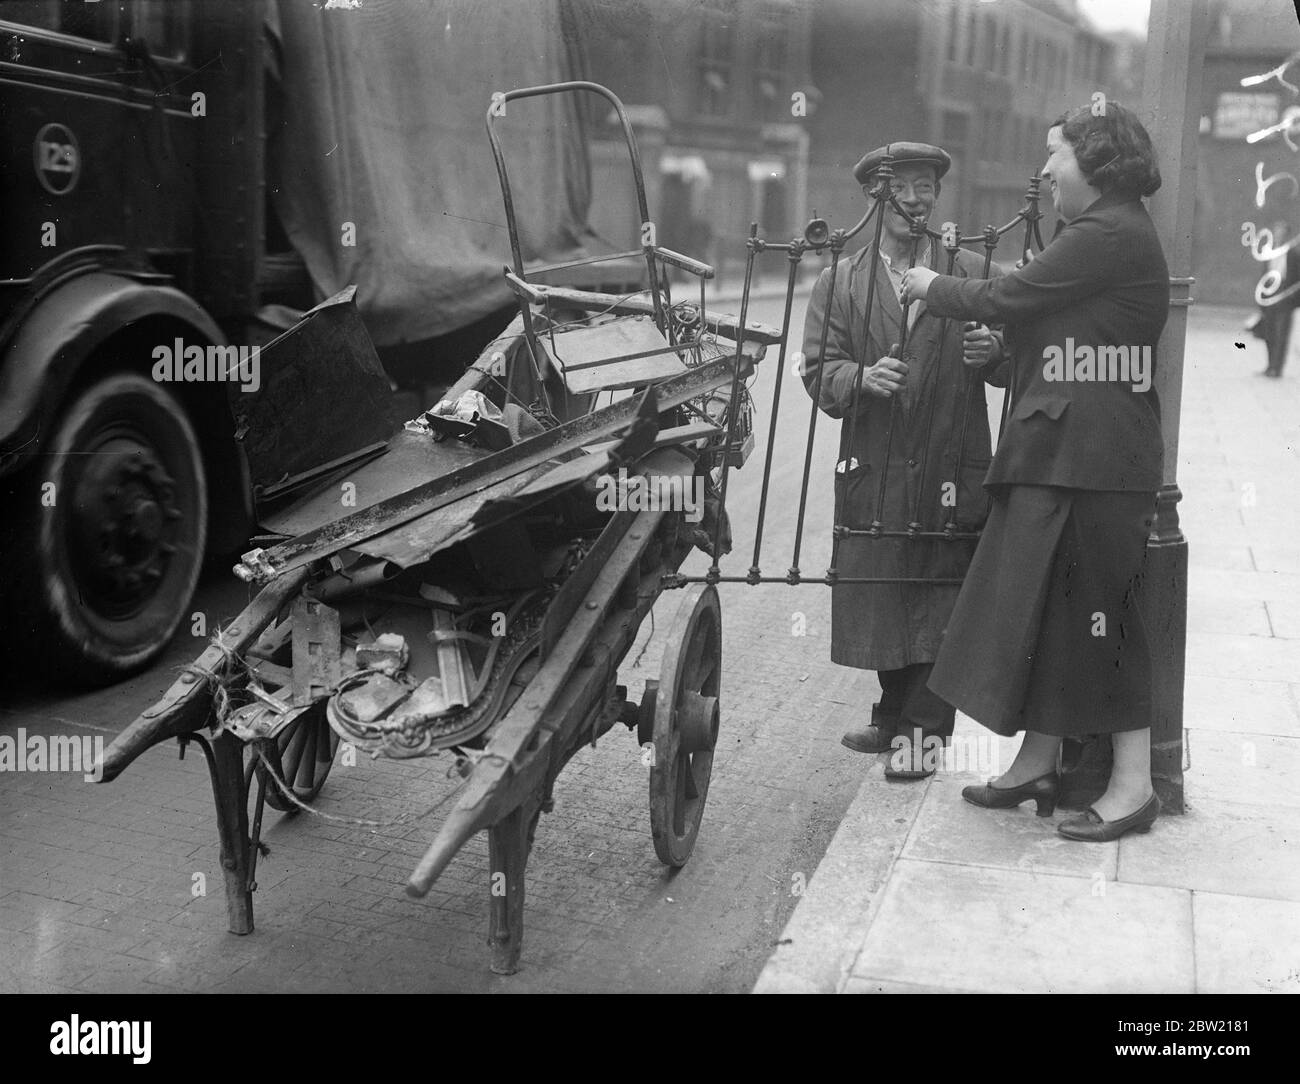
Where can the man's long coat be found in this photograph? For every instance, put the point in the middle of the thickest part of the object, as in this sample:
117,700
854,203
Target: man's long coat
888,626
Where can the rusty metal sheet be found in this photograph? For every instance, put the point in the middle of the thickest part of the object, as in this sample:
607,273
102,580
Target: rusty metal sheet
418,540
421,538
411,459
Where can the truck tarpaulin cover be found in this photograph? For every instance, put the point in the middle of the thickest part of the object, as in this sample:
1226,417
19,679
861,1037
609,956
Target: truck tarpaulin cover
381,124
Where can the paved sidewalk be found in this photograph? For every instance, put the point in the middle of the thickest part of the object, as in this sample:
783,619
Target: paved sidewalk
920,891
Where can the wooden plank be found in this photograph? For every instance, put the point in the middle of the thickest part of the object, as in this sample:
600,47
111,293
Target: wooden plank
187,705
518,753
579,356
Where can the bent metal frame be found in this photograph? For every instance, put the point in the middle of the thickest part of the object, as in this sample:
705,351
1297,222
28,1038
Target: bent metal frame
818,238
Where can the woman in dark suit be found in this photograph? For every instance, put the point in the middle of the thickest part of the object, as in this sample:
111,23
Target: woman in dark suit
1046,635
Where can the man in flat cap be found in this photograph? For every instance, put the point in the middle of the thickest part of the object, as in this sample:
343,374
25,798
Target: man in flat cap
895,628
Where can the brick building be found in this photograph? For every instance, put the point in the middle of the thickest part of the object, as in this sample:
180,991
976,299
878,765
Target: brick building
983,80
756,110
709,84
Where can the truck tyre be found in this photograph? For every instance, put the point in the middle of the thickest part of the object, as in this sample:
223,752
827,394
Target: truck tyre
119,533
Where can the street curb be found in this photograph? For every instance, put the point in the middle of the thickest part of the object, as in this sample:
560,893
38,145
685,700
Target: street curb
821,941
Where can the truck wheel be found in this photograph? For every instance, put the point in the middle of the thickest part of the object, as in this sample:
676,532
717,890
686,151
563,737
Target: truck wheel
120,529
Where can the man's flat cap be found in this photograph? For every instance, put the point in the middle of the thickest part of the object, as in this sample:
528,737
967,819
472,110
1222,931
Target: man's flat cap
904,154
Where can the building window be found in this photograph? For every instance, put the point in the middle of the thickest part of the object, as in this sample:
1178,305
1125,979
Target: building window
717,60
770,63
954,31
955,126
970,38
996,135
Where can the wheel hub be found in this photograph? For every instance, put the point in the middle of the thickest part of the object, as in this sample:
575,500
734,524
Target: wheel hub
123,526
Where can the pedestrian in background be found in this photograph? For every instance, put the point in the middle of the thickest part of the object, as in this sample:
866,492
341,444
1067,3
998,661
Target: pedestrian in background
1274,321
1047,636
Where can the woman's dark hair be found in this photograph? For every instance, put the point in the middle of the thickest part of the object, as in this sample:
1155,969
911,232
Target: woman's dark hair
1113,150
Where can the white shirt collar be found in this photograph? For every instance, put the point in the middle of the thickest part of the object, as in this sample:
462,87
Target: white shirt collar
922,257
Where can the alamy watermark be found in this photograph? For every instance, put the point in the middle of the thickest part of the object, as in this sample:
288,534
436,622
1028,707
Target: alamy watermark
57,753
661,493
962,753
1113,364
77,1036
195,364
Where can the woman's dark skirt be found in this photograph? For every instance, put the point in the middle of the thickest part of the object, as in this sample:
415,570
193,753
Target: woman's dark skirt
1047,634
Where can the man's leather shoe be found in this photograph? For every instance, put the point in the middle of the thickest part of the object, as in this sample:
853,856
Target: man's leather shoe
868,738
1042,790
914,756
1090,828
873,737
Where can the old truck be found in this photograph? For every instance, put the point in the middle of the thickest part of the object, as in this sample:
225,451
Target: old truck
179,182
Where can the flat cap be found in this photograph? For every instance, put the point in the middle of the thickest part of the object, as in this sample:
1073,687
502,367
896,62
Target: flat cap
904,154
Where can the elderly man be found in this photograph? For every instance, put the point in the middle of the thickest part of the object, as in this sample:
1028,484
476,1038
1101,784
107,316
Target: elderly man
895,628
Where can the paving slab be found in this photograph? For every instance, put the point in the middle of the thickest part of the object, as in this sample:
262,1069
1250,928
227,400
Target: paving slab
1212,653
1216,846
1217,555
1240,704
1245,768
1275,558
1246,945
1284,622
968,927
1279,586
950,829
1228,614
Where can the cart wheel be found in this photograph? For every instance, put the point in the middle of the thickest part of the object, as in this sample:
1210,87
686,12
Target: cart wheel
302,756
686,726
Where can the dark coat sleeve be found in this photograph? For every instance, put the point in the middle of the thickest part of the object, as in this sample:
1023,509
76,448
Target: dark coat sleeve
1078,263
838,366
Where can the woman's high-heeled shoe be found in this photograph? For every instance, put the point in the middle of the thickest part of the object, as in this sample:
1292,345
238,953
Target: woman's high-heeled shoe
1042,790
1090,828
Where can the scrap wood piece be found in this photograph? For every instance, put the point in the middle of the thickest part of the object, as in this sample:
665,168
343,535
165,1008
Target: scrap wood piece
187,705
518,756
626,353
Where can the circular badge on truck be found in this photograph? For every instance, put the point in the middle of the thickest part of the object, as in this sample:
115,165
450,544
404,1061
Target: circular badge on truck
57,158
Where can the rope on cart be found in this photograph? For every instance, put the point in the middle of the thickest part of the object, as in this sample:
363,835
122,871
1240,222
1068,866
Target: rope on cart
216,681
462,766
